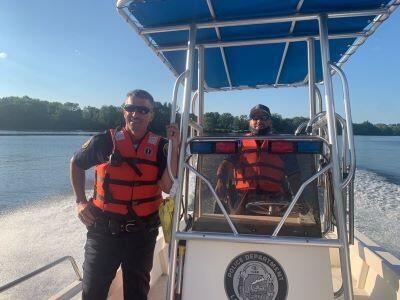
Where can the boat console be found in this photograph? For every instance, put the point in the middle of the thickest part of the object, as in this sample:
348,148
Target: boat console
257,210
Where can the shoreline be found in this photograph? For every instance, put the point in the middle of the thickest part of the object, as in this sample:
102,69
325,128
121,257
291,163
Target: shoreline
7,132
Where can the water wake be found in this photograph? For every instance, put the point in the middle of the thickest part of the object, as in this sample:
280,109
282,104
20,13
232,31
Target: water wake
34,236
377,209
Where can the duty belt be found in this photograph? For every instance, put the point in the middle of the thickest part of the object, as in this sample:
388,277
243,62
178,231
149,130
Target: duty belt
115,227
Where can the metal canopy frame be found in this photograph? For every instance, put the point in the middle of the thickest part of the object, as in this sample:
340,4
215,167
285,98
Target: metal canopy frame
228,76
361,36
298,7
264,20
277,40
328,69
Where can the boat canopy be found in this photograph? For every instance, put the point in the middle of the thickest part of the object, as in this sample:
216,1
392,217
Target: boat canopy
272,34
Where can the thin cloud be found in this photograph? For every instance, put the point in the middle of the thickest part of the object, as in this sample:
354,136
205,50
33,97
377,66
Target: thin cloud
3,55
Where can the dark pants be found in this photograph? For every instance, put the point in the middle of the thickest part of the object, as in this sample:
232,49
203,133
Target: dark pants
104,253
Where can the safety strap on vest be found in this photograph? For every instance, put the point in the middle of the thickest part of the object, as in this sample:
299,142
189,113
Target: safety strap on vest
132,183
259,164
259,177
134,202
133,161
251,150
117,159
108,198
95,185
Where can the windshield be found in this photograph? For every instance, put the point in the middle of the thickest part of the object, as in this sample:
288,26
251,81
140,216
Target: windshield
256,189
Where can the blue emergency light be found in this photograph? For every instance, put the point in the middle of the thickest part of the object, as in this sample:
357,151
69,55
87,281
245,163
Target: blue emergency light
202,147
313,147
213,147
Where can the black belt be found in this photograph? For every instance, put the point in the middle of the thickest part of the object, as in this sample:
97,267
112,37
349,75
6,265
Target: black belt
112,226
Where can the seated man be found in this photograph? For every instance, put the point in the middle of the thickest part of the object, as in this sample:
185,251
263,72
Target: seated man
254,181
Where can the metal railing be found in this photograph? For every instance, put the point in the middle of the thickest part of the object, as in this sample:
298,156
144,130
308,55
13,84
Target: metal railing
319,121
349,181
218,200
178,81
184,125
333,167
349,123
41,270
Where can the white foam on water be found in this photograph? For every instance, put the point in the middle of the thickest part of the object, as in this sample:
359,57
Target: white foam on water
377,209
32,237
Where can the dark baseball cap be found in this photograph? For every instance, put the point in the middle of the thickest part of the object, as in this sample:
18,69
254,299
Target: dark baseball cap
260,109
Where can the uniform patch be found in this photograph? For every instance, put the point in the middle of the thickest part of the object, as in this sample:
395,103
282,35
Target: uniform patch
119,135
86,144
165,150
153,139
255,275
148,151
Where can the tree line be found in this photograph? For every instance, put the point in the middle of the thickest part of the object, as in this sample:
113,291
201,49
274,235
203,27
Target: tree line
24,113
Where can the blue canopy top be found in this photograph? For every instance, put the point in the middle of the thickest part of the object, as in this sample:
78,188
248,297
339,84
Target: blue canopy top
273,49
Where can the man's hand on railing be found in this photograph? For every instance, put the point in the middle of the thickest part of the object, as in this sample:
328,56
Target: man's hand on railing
173,135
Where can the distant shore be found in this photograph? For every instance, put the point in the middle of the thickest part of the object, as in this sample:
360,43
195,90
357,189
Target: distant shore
90,133
27,114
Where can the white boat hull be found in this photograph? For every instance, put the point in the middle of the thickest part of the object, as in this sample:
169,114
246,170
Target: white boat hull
312,272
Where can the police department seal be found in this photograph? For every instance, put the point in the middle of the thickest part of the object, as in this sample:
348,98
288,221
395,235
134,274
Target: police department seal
255,276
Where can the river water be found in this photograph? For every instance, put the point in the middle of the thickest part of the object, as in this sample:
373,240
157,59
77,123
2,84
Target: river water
37,214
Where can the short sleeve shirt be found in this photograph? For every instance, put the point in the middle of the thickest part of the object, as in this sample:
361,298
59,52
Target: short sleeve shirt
98,149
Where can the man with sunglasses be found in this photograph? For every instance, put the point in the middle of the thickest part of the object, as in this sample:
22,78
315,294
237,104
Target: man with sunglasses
122,216
248,181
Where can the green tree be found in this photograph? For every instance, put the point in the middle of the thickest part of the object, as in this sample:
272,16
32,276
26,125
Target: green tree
241,123
225,121
25,113
211,121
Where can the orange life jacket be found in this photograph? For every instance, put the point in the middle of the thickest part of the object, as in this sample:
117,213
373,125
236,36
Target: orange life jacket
257,169
130,182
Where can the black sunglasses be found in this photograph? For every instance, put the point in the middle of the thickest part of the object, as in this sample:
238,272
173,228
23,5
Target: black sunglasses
261,118
136,108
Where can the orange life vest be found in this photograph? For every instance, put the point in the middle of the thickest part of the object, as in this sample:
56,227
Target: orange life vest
131,181
257,169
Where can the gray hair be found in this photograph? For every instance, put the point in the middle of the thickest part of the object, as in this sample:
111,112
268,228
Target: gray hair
142,94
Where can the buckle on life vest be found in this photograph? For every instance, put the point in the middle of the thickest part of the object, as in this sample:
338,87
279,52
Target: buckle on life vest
116,159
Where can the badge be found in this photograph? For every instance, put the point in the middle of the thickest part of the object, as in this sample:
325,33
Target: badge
86,144
255,275
153,139
165,149
148,151
119,135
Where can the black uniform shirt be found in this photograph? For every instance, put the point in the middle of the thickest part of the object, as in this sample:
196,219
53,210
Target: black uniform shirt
98,149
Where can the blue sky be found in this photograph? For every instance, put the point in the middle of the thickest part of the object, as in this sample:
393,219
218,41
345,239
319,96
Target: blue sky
83,52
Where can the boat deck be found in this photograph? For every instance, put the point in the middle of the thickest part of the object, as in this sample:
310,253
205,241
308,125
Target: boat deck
159,289
359,294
